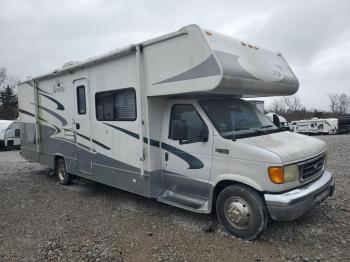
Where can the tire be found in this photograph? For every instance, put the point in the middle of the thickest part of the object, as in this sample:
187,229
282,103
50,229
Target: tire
60,169
241,211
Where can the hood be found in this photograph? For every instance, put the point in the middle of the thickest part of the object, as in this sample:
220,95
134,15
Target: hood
289,146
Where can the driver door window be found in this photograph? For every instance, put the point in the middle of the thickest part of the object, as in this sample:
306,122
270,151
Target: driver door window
188,114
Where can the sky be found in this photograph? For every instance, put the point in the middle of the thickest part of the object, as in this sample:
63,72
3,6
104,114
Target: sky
38,36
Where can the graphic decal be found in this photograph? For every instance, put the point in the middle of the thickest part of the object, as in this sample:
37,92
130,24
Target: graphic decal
208,67
26,112
59,105
193,162
59,117
58,87
94,141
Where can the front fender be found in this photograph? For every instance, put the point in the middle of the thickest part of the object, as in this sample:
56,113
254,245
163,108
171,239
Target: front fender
237,178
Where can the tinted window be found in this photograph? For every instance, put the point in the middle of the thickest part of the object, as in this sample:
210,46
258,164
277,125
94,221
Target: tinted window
195,124
81,100
117,105
17,133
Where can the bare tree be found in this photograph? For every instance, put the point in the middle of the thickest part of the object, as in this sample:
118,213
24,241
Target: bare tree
3,76
278,106
292,103
339,103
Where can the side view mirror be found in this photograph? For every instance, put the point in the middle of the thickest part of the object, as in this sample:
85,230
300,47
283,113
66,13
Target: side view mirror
276,120
179,130
204,135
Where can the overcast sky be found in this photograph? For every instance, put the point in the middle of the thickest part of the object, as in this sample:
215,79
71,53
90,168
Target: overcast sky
314,36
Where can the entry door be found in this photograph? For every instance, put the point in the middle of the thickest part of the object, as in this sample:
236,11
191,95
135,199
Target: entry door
186,165
82,126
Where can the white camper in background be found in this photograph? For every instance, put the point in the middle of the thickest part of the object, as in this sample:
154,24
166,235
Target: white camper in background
9,134
164,119
316,126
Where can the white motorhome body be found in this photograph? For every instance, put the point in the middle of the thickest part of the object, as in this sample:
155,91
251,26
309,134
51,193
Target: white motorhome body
9,134
147,119
316,126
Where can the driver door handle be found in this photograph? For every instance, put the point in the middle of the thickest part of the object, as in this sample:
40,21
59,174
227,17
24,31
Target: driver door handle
166,156
77,126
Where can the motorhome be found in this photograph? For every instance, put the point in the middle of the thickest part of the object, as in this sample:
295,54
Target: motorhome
165,119
316,126
9,134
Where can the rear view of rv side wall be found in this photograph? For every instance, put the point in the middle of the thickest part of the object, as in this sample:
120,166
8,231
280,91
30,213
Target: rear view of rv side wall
70,113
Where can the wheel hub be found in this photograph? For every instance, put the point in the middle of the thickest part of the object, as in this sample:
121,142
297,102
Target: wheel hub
61,172
238,213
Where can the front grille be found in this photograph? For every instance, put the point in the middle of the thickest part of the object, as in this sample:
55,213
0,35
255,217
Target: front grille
311,167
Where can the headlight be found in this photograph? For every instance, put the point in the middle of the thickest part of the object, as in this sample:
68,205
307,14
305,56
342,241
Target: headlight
291,173
280,175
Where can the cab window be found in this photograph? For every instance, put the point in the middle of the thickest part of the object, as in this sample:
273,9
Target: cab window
187,114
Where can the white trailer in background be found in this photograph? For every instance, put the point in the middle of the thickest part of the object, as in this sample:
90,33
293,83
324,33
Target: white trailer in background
9,134
164,119
316,126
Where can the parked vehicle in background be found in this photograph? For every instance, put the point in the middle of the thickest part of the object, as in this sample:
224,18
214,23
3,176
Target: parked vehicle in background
316,126
344,124
278,120
165,119
9,134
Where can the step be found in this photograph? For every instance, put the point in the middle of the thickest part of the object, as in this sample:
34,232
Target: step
184,201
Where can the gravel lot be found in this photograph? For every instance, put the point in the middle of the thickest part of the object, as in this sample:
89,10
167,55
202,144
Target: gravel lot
41,220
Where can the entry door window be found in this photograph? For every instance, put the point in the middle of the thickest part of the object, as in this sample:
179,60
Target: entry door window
81,100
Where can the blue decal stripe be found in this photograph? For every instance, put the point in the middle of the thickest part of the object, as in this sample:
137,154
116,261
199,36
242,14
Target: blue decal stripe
94,141
193,162
59,105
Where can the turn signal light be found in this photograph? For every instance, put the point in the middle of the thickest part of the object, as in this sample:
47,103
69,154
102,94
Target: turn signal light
276,175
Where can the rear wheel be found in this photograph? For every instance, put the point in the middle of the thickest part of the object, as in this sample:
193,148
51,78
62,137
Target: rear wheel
241,211
63,177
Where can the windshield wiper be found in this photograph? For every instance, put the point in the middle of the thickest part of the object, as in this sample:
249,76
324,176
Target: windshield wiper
267,126
253,129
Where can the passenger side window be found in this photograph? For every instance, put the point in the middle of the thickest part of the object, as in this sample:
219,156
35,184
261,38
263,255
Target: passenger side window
116,105
81,100
196,129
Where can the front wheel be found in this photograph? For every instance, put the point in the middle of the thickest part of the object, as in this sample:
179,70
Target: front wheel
63,177
241,211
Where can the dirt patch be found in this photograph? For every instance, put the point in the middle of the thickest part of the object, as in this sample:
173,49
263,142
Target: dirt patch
41,220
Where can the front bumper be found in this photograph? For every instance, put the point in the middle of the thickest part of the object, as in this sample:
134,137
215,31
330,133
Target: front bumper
293,204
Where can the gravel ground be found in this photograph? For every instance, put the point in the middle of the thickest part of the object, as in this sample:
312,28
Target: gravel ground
41,220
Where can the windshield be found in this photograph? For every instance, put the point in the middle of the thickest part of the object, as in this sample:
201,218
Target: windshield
235,118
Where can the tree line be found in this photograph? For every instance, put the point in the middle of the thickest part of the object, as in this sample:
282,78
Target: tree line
292,109
8,97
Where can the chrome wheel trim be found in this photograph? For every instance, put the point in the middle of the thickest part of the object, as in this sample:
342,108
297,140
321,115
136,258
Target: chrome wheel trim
238,213
61,172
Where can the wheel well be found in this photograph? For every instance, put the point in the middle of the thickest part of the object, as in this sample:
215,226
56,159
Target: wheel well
55,160
224,183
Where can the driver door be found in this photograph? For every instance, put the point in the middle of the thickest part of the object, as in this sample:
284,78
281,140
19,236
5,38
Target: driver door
186,165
